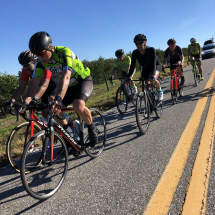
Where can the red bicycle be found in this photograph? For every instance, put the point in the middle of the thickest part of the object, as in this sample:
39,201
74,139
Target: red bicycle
175,87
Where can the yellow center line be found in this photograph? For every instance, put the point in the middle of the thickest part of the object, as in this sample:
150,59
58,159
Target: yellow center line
163,194
196,197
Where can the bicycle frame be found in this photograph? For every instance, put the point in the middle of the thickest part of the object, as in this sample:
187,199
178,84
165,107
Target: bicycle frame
174,79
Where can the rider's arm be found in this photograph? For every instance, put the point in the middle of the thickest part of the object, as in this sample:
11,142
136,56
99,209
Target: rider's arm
165,57
133,61
19,91
32,89
200,51
113,72
63,86
128,68
44,83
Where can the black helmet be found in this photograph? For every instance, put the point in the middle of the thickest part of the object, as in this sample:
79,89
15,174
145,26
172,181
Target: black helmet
26,57
119,53
171,41
39,42
193,39
139,37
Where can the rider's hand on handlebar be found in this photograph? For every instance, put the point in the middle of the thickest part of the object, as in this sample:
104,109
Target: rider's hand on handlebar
21,108
7,106
57,105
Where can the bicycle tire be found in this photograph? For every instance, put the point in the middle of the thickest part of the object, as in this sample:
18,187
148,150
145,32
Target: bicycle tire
173,91
99,123
142,112
39,183
180,90
158,106
195,76
16,142
120,98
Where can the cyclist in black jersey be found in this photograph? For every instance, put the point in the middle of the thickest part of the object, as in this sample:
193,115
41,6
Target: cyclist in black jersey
147,58
175,54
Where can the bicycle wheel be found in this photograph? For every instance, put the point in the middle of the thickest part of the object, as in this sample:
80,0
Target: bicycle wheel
121,101
99,123
195,76
180,90
47,178
174,95
142,113
158,106
17,140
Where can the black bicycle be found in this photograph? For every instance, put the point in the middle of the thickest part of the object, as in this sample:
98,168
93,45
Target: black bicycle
48,175
147,103
124,96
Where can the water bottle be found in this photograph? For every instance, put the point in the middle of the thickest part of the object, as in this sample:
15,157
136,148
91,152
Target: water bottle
76,124
66,116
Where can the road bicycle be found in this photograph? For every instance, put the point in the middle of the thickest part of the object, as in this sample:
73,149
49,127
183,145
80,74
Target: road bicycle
50,164
196,74
125,95
147,103
175,87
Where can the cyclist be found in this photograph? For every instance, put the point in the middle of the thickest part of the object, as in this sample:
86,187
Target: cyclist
195,50
149,61
123,62
175,54
27,60
76,83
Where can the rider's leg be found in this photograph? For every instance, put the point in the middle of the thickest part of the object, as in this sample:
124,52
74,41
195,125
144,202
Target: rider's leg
200,69
180,71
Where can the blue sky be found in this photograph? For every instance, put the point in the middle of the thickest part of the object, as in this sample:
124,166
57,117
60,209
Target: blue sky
98,27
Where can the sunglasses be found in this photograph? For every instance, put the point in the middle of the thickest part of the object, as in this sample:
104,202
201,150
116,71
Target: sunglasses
192,42
140,43
119,57
42,54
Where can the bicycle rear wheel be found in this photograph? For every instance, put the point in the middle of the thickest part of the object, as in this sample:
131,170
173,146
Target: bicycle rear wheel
174,95
158,106
121,101
47,178
142,113
17,141
99,123
134,96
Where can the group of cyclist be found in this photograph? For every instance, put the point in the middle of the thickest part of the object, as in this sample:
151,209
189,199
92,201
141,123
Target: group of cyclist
58,76
150,63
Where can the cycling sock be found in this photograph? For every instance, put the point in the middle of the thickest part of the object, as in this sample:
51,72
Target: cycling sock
159,90
91,127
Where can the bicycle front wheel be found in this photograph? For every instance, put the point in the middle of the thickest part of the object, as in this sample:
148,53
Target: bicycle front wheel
142,113
47,178
174,95
121,101
99,123
17,141
195,76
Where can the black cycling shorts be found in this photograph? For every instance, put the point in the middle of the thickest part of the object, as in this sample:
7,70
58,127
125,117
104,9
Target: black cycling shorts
51,90
81,91
197,56
146,76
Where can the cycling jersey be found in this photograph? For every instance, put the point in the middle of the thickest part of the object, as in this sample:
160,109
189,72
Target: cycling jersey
63,59
194,49
123,65
25,75
149,62
173,54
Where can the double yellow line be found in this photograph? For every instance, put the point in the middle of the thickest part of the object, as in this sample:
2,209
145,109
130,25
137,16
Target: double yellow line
164,192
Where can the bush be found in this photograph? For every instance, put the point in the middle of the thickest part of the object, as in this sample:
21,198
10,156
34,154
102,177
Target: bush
8,84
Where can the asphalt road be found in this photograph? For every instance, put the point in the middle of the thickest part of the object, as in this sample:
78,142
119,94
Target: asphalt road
123,178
